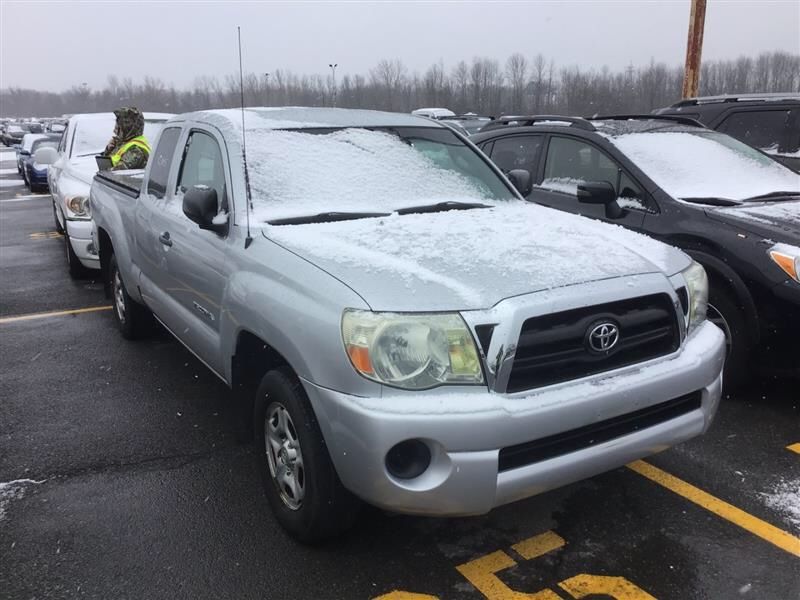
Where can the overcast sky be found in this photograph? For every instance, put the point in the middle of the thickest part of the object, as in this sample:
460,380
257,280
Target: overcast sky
53,45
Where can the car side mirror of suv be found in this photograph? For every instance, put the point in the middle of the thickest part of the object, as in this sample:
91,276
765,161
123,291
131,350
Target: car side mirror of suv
200,205
45,156
521,180
601,192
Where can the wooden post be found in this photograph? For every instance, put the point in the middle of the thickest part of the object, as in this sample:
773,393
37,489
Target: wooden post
694,49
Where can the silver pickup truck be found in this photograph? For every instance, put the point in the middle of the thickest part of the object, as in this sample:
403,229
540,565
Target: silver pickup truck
406,330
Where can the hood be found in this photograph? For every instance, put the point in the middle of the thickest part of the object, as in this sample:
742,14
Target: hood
779,221
83,169
472,259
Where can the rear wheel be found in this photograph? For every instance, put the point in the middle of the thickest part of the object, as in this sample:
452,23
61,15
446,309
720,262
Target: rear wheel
726,314
299,478
133,320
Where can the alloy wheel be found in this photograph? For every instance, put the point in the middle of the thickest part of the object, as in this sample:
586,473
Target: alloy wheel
284,456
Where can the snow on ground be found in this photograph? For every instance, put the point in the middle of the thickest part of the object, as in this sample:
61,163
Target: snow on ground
13,490
785,498
8,172
10,182
8,155
692,165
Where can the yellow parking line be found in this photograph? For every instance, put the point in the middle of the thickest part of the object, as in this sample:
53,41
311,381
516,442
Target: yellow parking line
781,539
794,447
57,313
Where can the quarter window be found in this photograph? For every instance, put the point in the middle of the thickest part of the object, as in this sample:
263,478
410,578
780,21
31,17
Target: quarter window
162,159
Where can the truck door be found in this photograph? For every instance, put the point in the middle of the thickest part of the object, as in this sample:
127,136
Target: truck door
151,222
196,257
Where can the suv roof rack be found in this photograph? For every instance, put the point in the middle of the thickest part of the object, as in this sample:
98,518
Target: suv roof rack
736,98
526,120
676,118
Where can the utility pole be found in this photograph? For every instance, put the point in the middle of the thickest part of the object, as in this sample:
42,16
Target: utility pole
694,49
333,71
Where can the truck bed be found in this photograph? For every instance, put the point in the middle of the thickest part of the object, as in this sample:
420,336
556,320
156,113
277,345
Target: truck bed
126,182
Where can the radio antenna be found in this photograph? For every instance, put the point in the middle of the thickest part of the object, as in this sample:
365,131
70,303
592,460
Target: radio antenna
249,239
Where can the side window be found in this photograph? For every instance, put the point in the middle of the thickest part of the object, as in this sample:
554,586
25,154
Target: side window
762,129
202,165
572,162
517,152
162,159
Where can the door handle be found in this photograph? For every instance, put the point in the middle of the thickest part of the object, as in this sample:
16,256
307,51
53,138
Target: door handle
165,239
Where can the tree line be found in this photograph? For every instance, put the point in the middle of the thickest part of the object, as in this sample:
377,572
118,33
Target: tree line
483,85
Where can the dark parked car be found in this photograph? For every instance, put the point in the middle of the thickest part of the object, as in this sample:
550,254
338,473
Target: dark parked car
731,207
35,175
769,122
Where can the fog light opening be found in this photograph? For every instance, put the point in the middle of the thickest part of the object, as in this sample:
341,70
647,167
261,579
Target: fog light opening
408,459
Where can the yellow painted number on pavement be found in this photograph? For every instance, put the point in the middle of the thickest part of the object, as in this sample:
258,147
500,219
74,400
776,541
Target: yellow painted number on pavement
618,588
397,595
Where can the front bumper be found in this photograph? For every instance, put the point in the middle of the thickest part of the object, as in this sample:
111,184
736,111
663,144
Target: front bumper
466,429
80,237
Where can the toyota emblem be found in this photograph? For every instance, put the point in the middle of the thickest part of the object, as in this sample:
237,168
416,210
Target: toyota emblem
603,337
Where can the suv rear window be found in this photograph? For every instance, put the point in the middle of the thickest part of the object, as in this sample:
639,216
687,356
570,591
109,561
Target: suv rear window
762,129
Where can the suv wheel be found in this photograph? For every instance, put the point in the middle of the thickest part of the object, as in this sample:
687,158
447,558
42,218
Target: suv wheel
726,314
299,479
133,320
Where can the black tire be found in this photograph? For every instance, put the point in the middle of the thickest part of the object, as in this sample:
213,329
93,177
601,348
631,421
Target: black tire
74,265
326,508
59,228
726,313
133,320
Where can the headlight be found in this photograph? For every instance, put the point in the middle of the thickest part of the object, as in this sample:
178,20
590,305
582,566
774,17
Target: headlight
697,285
411,351
78,206
787,258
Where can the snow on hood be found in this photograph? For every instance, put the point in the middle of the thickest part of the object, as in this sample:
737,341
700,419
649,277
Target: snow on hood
775,220
472,259
705,164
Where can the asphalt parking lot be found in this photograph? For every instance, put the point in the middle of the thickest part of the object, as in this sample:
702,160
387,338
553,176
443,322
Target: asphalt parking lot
123,474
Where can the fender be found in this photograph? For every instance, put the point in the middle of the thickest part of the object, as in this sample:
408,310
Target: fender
722,270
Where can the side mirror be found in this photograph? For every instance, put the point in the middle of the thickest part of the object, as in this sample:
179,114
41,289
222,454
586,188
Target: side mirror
521,180
200,206
24,152
601,192
45,156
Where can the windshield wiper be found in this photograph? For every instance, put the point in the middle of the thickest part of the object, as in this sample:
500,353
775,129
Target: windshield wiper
773,195
712,201
327,217
440,207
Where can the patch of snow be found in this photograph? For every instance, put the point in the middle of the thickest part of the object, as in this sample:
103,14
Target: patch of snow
8,155
568,185
785,498
13,490
11,182
9,172
767,213
633,203
705,164
350,170
220,219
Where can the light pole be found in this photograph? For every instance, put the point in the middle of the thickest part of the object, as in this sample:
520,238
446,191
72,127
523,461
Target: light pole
266,87
333,71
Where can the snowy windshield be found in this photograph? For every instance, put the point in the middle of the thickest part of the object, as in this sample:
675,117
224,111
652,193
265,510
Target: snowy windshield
92,135
705,164
305,172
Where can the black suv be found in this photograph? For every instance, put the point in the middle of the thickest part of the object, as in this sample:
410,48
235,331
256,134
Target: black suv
732,208
769,122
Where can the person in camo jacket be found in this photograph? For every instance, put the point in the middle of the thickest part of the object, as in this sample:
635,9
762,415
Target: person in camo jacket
128,148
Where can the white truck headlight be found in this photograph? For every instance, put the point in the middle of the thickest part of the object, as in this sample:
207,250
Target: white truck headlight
787,257
78,206
413,352
697,286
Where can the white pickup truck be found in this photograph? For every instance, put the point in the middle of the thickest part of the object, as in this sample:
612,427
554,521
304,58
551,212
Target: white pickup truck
404,328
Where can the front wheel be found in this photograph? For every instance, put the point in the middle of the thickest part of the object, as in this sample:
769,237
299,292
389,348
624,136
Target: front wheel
724,312
133,320
299,478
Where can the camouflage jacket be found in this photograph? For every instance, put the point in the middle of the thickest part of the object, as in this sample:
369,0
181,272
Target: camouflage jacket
134,158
